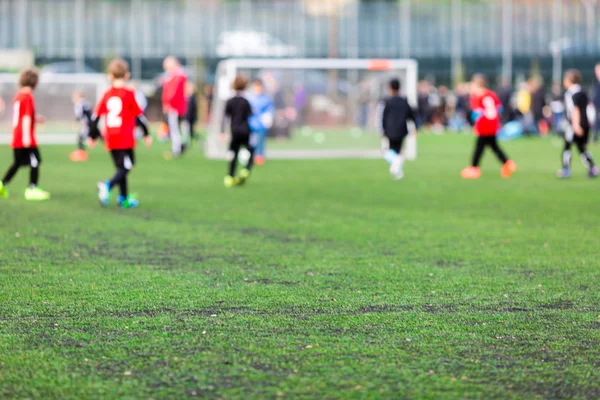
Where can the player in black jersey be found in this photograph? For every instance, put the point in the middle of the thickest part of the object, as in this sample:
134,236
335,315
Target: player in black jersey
83,115
239,111
578,131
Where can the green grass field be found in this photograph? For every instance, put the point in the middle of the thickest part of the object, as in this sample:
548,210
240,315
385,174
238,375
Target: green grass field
319,279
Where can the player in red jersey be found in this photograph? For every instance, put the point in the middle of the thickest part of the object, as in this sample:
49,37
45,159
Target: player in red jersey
120,110
24,143
174,104
486,113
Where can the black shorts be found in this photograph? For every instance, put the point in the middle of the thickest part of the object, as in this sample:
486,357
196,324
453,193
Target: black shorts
123,159
27,157
396,144
237,141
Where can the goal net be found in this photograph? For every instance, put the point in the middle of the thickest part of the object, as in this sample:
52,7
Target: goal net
325,108
53,100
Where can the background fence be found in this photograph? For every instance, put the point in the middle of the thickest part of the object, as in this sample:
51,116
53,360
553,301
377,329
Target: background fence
453,29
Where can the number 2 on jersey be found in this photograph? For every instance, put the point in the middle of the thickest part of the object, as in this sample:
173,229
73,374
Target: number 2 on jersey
489,108
114,105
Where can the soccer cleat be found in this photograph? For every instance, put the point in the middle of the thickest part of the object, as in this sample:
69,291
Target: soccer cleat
103,193
128,202
564,173
260,160
594,172
79,156
36,194
508,169
471,173
229,181
244,175
3,191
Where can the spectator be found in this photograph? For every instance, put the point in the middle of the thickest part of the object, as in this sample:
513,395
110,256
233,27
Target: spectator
538,102
558,109
596,102
505,93
192,109
300,103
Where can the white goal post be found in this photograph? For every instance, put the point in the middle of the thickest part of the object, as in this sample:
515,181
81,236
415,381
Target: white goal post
322,100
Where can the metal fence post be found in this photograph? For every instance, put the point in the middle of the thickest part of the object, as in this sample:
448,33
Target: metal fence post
23,25
556,36
456,40
136,61
507,51
79,51
405,10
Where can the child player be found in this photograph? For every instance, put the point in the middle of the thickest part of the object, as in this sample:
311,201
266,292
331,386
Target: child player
486,108
393,114
83,115
24,144
239,111
120,110
578,131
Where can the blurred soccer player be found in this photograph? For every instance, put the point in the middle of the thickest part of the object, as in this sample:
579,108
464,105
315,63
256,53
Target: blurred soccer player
239,111
83,115
393,114
120,110
24,143
174,104
262,120
578,130
486,108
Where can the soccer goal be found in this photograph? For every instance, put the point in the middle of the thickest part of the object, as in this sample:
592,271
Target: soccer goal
325,108
53,101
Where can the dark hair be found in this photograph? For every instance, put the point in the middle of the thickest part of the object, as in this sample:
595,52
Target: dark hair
29,78
239,83
395,85
118,68
573,76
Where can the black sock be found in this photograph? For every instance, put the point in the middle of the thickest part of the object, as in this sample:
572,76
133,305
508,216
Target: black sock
10,173
34,176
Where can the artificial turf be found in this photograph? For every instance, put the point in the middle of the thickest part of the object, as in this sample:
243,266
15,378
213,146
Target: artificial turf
318,279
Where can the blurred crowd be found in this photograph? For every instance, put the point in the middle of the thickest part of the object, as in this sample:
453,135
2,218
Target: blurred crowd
537,107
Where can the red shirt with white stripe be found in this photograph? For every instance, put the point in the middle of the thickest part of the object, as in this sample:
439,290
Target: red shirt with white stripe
173,95
488,107
23,106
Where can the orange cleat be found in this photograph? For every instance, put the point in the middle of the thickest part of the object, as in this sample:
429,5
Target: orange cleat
508,169
471,173
79,156
260,160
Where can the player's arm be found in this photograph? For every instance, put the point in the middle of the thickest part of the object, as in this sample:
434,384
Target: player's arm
379,118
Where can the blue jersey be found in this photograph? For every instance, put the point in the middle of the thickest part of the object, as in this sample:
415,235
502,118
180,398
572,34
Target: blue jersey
263,113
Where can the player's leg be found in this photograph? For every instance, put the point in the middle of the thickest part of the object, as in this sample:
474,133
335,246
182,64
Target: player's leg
586,156
473,171
125,200
245,173
508,166
80,154
565,172
396,159
174,133
259,154
234,149
34,192
11,172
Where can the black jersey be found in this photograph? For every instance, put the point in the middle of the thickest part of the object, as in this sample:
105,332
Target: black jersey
575,97
239,111
393,114
83,113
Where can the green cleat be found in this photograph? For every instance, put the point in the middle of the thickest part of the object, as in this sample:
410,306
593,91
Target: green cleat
129,202
36,194
3,191
229,181
244,175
